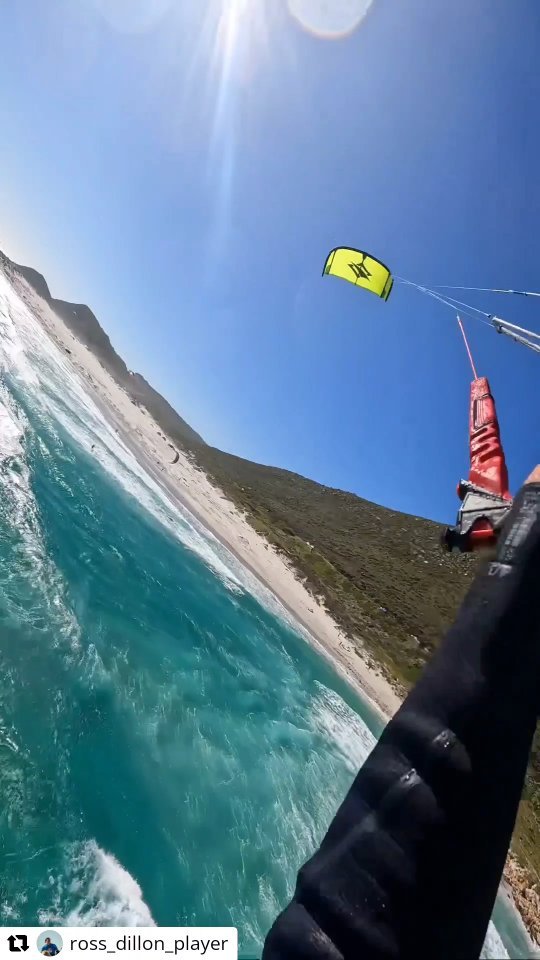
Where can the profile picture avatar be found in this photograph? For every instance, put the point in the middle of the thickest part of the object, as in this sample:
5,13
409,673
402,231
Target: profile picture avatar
49,943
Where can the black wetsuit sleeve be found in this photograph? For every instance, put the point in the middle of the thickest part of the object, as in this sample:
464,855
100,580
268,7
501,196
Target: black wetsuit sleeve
412,861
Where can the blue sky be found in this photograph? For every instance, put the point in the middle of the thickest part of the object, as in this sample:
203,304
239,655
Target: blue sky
184,167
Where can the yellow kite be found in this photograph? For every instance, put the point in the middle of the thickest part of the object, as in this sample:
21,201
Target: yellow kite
361,269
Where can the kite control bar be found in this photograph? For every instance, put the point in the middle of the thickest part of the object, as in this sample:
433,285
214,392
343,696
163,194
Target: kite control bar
485,497
479,520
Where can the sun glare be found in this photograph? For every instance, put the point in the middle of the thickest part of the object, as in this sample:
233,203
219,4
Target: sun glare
329,18
233,16
242,34
239,43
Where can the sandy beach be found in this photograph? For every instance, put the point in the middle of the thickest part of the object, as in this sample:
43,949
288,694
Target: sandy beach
184,481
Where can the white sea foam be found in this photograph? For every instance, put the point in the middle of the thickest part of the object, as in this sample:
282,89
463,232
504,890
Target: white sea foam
20,516
11,429
494,948
57,395
108,896
343,728
94,890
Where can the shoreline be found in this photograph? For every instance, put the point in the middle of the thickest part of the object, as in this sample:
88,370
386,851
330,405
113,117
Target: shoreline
191,489
340,667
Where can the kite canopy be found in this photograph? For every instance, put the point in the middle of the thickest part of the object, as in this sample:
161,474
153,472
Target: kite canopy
361,269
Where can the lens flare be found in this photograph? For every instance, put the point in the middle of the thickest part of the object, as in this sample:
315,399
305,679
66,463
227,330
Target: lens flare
239,35
330,19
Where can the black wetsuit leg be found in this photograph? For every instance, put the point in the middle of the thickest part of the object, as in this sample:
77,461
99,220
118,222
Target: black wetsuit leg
412,861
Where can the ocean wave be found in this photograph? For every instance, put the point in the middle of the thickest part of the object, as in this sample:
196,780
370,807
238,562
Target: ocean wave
109,896
345,731
25,557
100,890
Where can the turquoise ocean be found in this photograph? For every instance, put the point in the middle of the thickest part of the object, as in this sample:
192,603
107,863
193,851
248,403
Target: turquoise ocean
171,747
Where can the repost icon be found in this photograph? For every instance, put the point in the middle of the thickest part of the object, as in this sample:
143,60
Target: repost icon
18,943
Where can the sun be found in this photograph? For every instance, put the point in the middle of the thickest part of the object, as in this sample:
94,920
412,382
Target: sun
242,31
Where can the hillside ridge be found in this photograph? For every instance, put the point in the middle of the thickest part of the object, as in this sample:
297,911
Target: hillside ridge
84,325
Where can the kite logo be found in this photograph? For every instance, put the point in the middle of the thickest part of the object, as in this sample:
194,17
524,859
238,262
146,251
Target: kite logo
360,270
